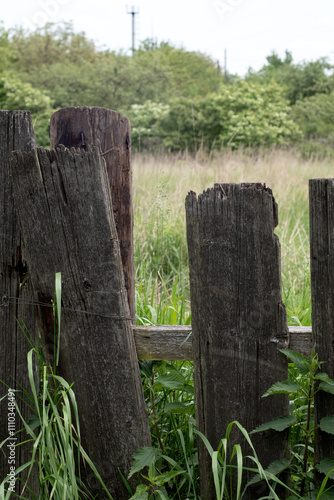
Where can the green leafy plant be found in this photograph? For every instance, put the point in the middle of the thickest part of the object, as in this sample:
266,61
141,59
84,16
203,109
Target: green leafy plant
228,468
169,394
53,430
304,382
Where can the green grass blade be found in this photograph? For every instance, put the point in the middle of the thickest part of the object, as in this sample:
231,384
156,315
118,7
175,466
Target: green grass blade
58,308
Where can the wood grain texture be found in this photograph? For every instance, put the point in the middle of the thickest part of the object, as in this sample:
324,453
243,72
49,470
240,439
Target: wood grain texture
174,343
322,289
238,318
68,227
81,127
16,132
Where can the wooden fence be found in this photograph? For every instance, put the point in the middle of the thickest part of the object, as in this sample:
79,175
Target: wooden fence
70,210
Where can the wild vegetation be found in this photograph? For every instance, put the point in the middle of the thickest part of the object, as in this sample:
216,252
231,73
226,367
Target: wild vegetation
162,288
175,99
160,186
191,127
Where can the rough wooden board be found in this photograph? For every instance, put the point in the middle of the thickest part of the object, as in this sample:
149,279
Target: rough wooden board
322,289
16,132
81,127
68,227
163,342
238,318
166,342
301,339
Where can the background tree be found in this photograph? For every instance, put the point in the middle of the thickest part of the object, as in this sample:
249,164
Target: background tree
14,94
315,116
299,80
246,113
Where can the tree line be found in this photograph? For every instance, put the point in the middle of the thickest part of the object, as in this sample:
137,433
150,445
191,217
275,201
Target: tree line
174,98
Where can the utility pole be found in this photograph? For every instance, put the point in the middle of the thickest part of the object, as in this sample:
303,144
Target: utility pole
225,65
218,69
133,13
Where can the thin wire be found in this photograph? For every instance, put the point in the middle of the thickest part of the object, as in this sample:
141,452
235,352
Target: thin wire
6,300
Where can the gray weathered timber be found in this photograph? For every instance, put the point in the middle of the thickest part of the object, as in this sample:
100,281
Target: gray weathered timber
300,339
64,204
238,318
166,342
169,342
81,127
16,132
322,289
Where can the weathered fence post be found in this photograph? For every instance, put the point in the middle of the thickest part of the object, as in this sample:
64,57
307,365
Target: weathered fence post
238,319
322,287
81,127
64,204
16,132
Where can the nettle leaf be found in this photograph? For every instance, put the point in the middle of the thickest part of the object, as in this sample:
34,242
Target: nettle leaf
326,384
327,495
274,468
175,381
327,424
171,381
162,493
282,388
167,476
302,363
325,466
179,408
278,424
324,377
141,492
143,457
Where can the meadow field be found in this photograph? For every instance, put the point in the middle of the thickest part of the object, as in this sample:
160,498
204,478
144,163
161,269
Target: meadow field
160,185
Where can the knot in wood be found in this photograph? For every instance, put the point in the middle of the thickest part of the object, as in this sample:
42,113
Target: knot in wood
86,285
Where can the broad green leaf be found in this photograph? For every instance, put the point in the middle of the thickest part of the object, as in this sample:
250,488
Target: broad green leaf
172,381
324,377
326,495
180,408
278,424
162,493
324,386
175,381
143,457
326,466
302,363
167,476
286,387
141,492
274,468
327,424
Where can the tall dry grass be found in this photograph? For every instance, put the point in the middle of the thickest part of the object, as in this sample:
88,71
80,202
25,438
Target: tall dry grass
161,184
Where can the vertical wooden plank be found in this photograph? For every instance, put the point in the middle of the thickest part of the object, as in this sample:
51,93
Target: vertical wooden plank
80,127
68,226
322,289
238,318
16,132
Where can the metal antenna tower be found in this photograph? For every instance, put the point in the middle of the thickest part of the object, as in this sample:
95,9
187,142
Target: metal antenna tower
133,13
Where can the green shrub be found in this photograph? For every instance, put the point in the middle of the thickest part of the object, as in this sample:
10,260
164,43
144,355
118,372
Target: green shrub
242,114
15,94
144,118
315,116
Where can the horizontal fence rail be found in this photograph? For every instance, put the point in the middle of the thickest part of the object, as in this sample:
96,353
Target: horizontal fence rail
172,343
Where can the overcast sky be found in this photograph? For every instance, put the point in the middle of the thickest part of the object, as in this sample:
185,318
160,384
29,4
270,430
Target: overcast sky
249,30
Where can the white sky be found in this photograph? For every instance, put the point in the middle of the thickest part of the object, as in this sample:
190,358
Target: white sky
248,29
